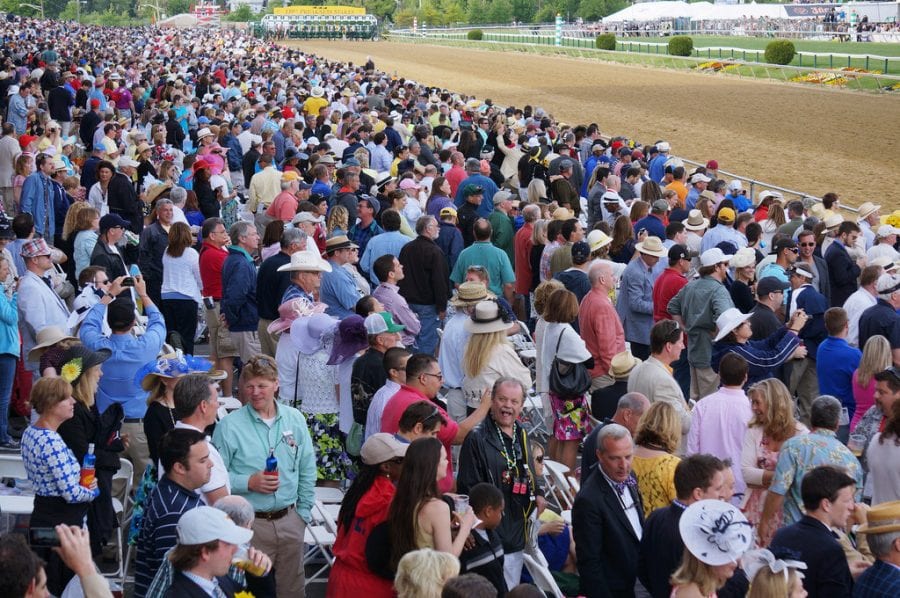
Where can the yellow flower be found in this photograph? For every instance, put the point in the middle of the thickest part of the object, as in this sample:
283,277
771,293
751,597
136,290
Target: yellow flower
243,595
71,370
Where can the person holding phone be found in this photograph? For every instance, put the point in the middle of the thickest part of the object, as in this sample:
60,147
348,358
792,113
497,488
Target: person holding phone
52,468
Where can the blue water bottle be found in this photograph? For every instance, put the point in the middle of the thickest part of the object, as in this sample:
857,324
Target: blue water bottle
134,271
272,464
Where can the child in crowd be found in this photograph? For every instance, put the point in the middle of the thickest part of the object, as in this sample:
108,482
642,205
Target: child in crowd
486,556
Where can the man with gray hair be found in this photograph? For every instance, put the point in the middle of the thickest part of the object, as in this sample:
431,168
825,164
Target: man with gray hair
154,240
476,179
882,529
271,285
196,398
509,466
608,519
882,317
239,307
178,195
798,456
629,410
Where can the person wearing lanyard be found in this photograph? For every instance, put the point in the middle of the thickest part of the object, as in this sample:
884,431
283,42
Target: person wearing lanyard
252,440
499,452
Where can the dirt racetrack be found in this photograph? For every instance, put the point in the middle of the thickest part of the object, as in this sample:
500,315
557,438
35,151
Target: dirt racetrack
810,139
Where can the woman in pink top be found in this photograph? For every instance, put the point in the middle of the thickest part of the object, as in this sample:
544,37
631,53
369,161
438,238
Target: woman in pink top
876,358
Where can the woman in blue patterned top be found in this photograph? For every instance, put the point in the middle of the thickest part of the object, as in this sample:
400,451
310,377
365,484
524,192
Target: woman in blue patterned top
54,471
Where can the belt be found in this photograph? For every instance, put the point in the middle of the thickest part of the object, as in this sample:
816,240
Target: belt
272,515
134,420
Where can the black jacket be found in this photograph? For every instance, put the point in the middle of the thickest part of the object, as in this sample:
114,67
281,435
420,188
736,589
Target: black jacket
59,100
427,280
113,262
89,124
661,550
827,574
182,587
123,200
480,460
843,273
608,548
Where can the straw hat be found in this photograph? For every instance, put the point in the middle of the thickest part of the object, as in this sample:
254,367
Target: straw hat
598,239
46,338
470,293
563,214
696,221
486,318
833,221
715,532
730,319
866,209
651,246
882,519
621,365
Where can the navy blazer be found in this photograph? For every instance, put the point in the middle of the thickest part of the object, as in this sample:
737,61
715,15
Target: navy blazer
183,587
881,580
661,550
843,273
608,548
827,574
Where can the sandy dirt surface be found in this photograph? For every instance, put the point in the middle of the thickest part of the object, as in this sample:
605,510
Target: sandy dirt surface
809,139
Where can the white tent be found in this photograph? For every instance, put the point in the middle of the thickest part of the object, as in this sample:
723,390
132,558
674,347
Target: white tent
697,11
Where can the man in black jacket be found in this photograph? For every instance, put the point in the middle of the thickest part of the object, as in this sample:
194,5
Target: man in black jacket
843,271
426,286
697,477
89,124
608,518
60,101
499,452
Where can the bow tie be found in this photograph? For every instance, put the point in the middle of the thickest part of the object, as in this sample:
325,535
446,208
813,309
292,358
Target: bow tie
621,487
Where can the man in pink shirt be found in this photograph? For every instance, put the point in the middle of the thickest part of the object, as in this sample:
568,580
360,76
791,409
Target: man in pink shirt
284,206
522,246
719,421
600,326
423,381
457,172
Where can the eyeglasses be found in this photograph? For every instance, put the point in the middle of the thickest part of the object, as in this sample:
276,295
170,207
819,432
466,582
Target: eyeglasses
103,281
439,376
795,250
434,414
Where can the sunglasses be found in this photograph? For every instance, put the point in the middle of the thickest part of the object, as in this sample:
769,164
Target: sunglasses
807,244
539,459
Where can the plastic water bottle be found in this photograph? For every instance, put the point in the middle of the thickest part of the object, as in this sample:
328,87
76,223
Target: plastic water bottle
87,469
134,272
272,464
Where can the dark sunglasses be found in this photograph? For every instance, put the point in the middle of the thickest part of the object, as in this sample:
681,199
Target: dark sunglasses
807,244
539,459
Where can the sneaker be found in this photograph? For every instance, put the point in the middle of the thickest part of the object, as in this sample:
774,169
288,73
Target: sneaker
10,445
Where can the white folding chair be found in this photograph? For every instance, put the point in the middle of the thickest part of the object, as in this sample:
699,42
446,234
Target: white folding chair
542,576
320,537
12,466
123,506
327,495
560,482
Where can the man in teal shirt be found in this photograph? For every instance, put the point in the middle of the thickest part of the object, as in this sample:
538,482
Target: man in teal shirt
283,498
502,225
494,260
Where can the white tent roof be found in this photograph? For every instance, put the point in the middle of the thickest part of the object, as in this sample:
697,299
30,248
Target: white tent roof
652,11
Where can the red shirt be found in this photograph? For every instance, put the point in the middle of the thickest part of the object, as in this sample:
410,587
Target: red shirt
455,176
522,246
211,260
601,330
666,286
390,423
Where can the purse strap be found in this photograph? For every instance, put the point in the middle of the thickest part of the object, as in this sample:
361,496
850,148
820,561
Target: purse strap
558,341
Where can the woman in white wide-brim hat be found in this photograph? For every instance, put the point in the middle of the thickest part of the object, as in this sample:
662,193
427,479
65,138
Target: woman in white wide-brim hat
715,535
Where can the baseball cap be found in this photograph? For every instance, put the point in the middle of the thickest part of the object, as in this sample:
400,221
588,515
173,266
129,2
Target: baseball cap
886,230
726,215
205,524
307,217
379,323
678,252
783,243
448,212
382,447
770,284
713,256
581,251
699,177
112,220
470,190
800,269
660,205
408,184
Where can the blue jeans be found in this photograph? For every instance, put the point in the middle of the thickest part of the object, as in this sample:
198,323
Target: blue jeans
427,340
7,375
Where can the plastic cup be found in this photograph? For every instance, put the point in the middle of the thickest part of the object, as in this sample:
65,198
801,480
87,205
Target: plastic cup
857,444
845,417
460,503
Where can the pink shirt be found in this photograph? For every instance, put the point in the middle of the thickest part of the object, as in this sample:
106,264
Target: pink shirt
864,397
718,424
601,330
390,423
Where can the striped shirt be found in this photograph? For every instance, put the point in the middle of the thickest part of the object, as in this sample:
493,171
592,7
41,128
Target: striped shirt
167,503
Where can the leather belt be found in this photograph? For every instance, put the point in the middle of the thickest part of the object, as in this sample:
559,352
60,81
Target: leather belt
272,515
133,420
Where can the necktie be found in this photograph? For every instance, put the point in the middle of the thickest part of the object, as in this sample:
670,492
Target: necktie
217,591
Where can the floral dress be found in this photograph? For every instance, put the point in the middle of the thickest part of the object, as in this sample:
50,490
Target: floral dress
766,459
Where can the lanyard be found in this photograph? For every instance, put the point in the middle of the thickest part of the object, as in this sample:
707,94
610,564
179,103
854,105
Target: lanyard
511,460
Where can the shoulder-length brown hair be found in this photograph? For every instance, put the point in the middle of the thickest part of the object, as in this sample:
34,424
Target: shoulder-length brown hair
179,239
778,423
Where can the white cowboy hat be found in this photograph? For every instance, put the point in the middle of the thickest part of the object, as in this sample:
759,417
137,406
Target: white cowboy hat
651,246
486,318
305,261
730,319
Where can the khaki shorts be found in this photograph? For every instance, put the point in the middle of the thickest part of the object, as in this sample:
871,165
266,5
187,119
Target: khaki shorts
220,342
247,344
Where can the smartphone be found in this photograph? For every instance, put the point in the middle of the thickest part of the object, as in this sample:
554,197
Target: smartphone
43,536
128,281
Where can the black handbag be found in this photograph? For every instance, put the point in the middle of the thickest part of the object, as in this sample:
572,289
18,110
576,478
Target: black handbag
568,379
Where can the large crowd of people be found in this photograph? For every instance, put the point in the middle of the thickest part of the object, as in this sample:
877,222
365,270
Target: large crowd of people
405,293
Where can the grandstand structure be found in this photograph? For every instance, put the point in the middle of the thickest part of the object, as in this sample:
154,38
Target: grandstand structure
318,22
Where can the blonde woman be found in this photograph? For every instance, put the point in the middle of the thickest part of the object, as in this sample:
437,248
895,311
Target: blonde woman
423,573
337,222
82,224
771,577
773,422
24,166
536,191
489,355
876,358
656,439
539,241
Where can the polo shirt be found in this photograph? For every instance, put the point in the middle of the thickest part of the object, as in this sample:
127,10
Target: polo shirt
836,361
666,286
390,423
495,261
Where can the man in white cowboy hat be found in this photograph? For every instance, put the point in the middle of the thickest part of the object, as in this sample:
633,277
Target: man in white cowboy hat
885,239
869,219
882,530
39,306
696,307
635,300
306,269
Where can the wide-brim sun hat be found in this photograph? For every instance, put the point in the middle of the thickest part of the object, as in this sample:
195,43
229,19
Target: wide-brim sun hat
308,333
715,532
78,359
696,221
47,337
291,310
486,318
866,209
597,239
175,365
470,293
351,338
305,261
728,320
651,246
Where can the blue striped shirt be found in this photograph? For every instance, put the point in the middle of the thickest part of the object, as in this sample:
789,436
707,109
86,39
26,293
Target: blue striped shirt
167,503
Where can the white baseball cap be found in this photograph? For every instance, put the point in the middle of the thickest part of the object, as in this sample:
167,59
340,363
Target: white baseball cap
205,524
713,256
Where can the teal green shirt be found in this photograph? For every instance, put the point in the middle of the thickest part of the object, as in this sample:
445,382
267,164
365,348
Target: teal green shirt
495,260
244,441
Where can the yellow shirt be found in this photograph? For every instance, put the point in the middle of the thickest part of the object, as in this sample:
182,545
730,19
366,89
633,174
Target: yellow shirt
656,480
313,105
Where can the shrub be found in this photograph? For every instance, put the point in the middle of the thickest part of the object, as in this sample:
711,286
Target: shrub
475,34
780,51
606,41
681,45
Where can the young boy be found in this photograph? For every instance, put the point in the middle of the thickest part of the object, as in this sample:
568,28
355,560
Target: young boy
486,557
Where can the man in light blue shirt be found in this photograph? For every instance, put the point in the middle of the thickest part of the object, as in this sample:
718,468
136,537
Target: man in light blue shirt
129,354
390,242
339,291
18,108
